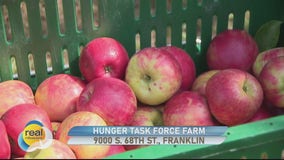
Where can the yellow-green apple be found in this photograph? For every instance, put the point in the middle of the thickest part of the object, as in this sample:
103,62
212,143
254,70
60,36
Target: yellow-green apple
111,98
186,63
272,78
14,92
264,57
82,118
5,151
145,115
115,149
233,96
58,95
199,84
55,126
55,150
16,118
154,75
187,108
103,57
232,49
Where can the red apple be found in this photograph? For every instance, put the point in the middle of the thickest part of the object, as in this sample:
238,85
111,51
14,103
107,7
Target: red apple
187,108
58,95
232,49
82,118
111,98
103,57
14,92
5,151
272,81
115,149
264,57
186,63
154,75
234,96
56,150
16,118
199,84
261,113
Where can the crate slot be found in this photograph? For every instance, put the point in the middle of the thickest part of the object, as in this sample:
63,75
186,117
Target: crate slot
31,64
48,62
6,19
25,19
169,6
153,8
65,59
14,67
214,26
153,38
246,20
198,34
80,49
183,33
137,42
169,36
136,9
43,17
61,16
78,15
184,4
230,21
96,13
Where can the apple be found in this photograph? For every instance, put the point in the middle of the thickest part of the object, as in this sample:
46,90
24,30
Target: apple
115,149
232,49
199,84
154,75
58,95
82,118
14,92
264,57
103,57
271,78
146,115
55,126
188,108
111,98
56,150
16,118
233,96
5,152
262,113
186,63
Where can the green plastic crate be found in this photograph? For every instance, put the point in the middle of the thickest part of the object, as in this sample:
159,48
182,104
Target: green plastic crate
41,38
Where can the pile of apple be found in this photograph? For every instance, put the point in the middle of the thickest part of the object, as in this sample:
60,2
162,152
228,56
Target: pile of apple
156,86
